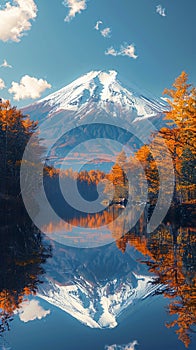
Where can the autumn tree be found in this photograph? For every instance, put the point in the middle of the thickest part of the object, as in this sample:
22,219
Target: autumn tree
22,255
180,135
182,100
188,175
150,175
118,178
118,182
15,131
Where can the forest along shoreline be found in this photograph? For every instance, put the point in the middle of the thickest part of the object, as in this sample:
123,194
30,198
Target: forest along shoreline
179,136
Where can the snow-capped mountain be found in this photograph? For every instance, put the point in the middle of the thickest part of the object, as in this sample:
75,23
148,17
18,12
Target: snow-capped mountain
97,306
95,106
96,286
93,92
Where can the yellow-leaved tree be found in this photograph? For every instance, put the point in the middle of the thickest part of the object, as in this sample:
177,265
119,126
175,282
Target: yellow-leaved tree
180,135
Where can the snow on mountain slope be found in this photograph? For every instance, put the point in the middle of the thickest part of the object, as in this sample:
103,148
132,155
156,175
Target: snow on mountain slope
97,90
97,97
97,285
97,306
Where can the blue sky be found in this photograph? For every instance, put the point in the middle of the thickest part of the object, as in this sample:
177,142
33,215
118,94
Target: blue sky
148,46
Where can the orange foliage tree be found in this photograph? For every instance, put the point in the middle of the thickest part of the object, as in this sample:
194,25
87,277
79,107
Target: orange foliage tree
169,253
22,255
15,131
181,136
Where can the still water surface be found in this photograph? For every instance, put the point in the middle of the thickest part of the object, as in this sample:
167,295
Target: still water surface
137,292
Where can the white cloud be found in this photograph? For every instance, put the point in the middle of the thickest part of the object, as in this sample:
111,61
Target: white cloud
31,310
125,50
128,50
74,6
29,87
97,25
15,19
106,32
2,84
111,51
160,10
130,346
5,64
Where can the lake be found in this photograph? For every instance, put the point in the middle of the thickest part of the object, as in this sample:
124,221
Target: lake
135,291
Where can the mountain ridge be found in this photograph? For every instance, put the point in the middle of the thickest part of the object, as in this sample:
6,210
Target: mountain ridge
96,286
97,306
95,106
102,89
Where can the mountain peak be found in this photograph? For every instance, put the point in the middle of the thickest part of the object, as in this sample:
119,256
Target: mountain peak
105,77
93,86
97,91
105,74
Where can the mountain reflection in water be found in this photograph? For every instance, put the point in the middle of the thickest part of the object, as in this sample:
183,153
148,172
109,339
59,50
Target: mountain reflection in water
98,285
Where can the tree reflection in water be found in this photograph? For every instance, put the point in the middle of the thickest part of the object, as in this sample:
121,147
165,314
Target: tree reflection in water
170,255
22,255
